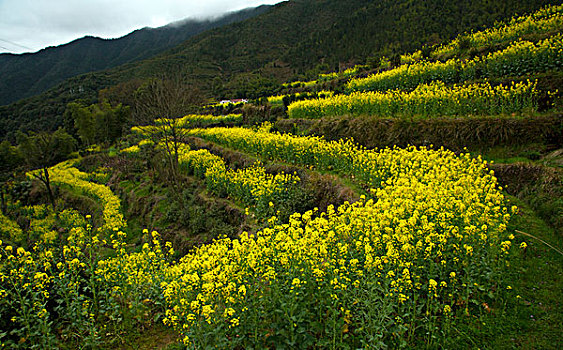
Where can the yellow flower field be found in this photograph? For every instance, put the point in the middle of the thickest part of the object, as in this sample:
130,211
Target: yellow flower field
427,100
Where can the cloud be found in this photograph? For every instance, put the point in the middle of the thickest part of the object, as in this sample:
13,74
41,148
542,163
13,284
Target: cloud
37,24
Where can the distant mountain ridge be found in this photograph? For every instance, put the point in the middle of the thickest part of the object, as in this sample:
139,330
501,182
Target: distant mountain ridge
25,75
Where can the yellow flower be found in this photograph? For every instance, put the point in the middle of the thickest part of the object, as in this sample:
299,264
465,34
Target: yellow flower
242,290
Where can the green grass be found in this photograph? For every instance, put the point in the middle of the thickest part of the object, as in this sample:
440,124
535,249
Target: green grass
530,315
534,174
515,153
140,205
157,337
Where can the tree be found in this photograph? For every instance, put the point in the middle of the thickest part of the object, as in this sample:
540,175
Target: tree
159,103
10,160
44,150
80,118
97,123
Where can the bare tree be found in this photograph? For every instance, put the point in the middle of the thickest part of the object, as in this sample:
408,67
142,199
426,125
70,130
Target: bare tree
159,104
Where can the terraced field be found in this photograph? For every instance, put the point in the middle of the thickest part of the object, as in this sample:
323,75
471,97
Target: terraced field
328,242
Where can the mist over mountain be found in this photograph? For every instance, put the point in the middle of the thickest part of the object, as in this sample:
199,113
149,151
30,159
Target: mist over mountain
25,75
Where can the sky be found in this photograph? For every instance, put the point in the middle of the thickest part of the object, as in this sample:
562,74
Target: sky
31,25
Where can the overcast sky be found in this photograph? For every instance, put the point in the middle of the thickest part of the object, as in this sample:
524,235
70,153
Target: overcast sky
30,25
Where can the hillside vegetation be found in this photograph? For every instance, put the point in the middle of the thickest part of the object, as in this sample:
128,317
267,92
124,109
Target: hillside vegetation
294,40
225,230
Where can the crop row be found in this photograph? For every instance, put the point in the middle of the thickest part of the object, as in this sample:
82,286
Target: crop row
65,173
255,188
287,99
203,119
370,168
427,100
545,21
522,57
163,127
262,192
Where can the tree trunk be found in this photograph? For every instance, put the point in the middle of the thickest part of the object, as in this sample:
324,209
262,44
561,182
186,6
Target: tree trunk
48,185
2,201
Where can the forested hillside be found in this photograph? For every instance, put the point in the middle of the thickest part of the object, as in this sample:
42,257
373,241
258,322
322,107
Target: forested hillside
29,74
296,39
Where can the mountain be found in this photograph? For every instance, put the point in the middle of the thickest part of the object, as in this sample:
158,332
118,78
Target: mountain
29,74
293,39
